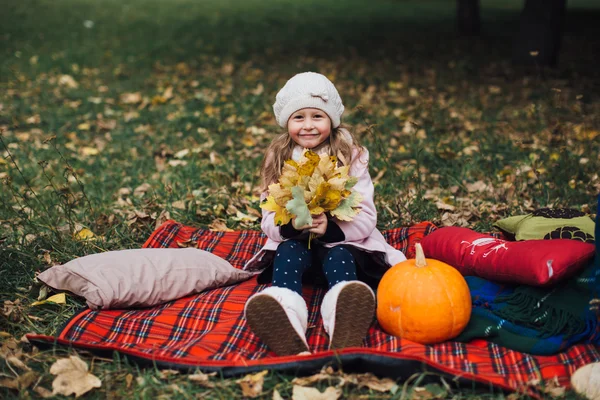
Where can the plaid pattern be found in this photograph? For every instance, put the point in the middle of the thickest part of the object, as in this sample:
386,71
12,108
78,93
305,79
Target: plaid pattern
208,330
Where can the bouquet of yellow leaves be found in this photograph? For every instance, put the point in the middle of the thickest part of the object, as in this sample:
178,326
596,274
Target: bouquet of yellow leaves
312,186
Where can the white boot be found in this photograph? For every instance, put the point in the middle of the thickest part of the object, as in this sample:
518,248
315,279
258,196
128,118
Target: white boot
279,317
348,309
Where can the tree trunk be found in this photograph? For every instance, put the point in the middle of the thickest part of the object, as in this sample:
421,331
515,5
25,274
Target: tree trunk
467,15
538,39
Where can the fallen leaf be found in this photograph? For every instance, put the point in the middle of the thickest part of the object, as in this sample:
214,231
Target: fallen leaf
84,234
309,393
21,382
182,153
107,124
240,216
165,373
16,362
128,380
43,289
72,377
252,385
478,186
141,190
202,379
9,383
177,163
187,243
131,98
309,380
553,388
443,206
59,298
179,204
163,217
131,115
42,392
68,81
89,151
218,225
375,383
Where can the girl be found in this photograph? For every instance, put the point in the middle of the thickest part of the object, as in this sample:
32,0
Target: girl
348,256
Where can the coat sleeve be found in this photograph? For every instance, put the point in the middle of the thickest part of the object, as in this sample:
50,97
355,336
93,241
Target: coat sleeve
365,222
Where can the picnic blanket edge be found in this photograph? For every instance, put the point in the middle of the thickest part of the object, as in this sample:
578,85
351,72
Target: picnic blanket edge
386,364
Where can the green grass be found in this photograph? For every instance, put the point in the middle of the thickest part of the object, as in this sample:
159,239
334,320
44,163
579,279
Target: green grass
437,112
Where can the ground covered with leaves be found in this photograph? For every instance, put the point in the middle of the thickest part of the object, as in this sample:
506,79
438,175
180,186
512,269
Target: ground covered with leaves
115,116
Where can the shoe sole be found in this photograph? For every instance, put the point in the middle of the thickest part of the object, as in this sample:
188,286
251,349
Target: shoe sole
268,320
353,319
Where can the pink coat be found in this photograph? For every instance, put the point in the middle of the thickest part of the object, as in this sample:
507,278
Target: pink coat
361,232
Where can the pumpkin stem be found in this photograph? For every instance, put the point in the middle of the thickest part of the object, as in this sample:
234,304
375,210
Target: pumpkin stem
420,256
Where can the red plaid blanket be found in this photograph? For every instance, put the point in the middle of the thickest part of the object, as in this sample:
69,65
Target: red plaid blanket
208,331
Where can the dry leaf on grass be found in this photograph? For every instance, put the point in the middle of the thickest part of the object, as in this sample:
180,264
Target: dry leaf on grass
21,382
252,384
60,298
309,380
84,234
16,362
218,225
361,380
128,380
72,377
202,379
131,98
42,392
163,217
551,387
374,383
166,373
309,393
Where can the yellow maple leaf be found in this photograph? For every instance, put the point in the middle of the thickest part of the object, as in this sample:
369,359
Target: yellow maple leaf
313,183
348,208
282,215
327,166
289,175
325,198
59,298
280,194
308,163
84,234
292,163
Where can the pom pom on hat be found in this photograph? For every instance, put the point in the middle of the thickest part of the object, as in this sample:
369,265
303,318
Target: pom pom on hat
308,90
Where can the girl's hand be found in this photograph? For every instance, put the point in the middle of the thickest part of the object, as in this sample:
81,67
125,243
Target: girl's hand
319,225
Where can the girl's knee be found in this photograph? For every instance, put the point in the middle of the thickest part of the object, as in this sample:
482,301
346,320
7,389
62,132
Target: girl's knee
291,245
338,252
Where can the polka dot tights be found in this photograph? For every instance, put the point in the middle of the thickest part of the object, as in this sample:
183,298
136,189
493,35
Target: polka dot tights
293,258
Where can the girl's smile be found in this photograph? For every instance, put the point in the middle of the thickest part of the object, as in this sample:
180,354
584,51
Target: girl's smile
309,127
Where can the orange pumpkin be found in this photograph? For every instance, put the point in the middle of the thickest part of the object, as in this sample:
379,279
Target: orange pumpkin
426,301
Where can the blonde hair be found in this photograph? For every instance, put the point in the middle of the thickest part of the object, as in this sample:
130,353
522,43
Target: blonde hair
282,146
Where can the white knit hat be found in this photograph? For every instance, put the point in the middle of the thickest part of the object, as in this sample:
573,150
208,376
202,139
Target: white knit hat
308,90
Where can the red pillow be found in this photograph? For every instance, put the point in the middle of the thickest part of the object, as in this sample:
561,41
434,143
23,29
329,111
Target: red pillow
530,262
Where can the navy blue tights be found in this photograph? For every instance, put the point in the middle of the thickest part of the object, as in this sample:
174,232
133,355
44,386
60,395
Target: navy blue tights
293,258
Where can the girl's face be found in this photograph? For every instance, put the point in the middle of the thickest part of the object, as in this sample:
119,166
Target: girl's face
309,127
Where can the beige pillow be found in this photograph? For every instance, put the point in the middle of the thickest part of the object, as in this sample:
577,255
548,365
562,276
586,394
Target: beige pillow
142,277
